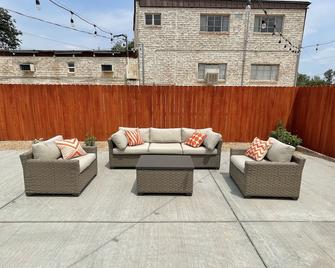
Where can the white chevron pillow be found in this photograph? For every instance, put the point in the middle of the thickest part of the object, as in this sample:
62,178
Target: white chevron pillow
70,148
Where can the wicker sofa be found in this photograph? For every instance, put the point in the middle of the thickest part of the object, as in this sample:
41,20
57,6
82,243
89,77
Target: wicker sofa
167,142
56,176
265,178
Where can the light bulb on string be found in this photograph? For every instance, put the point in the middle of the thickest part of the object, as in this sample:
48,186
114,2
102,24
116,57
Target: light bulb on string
72,20
38,5
95,30
317,48
263,26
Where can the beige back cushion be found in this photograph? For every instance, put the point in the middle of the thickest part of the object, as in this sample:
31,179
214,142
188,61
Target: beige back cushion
143,131
161,135
47,150
279,152
188,132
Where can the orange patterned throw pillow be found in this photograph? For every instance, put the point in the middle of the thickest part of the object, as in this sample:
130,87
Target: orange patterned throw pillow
134,137
196,139
258,149
70,148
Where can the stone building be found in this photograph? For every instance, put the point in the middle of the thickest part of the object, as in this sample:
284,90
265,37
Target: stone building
223,42
68,67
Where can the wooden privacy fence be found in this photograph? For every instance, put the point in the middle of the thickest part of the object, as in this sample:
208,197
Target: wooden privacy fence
239,113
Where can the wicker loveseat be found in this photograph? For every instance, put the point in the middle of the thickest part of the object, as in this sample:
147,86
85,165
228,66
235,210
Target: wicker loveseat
265,178
164,141
56,176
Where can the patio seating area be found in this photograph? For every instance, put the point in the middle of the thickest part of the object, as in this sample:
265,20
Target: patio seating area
109,225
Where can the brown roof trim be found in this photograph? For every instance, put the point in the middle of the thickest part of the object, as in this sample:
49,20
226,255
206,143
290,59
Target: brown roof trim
67,53
224,4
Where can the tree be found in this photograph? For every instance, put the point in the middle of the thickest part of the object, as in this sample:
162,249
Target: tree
120,46
9,35
329,76
305,80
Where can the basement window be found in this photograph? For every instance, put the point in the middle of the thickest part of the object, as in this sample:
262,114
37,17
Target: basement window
106,68
27,67
71,67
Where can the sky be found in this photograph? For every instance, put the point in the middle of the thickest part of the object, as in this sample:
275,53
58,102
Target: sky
117,17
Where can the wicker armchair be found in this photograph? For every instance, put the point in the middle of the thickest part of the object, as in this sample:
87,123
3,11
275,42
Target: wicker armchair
268,179
56,176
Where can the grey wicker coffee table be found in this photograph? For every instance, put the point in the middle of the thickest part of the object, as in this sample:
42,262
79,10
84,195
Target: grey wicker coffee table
164,174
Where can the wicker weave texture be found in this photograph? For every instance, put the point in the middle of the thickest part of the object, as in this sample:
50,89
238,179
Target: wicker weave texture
164,181
54,176
269,179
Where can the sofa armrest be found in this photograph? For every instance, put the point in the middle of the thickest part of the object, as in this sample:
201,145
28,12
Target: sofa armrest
24,158
237,151
219,146
90,149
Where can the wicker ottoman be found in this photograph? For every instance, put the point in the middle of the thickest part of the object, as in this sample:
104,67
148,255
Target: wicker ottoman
164,174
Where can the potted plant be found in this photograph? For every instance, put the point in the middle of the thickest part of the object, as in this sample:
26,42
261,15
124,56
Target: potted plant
281,134
90,140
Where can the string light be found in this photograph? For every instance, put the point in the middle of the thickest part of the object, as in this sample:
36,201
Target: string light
72,20
95,30
38,4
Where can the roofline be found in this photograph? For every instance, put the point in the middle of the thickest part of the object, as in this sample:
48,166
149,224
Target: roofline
229,4
68,53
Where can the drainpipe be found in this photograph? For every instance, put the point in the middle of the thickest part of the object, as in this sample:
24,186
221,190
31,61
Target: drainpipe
141,66
245,41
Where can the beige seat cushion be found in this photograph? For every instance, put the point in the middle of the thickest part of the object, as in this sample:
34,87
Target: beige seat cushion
47,150
165,148
279,152
239,161
165,135
186,133
84,161
197,151
143,131
137,149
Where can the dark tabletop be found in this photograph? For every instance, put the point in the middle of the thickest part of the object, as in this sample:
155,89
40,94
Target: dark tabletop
165,162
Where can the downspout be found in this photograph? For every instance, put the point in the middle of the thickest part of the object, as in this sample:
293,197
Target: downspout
245,41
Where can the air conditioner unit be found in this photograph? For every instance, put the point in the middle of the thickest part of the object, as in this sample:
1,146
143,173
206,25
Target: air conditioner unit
212,76
32,67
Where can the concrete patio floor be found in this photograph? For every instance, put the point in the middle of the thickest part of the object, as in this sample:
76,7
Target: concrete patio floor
110,226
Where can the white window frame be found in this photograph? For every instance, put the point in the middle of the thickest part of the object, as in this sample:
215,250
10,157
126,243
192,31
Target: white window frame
268,72
71,69
223,18
153,19
267,19
27,64
222,76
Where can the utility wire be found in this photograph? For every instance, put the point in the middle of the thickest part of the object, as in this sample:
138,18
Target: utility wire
57,24
54,40
79,16
320,44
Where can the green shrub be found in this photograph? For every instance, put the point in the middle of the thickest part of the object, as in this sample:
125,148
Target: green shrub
281,134
90,140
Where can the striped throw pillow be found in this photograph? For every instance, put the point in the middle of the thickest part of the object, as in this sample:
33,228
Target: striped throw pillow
70,148
258,149
134,137
196,139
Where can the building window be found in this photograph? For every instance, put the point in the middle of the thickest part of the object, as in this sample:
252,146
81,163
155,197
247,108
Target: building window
268,24
106,67
264,72
27,67
153,19
203,67
71,67
214,23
